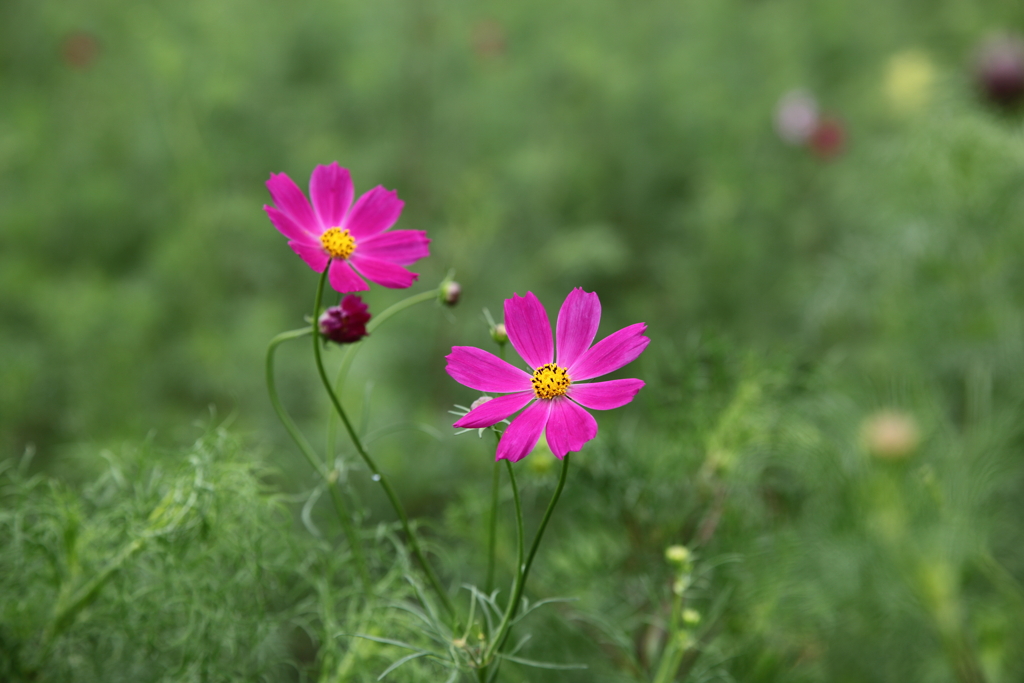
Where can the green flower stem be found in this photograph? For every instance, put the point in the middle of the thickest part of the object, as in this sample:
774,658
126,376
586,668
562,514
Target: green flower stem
517,581
517,591
340,507
671,659
493,527
377,474
350,352
675,649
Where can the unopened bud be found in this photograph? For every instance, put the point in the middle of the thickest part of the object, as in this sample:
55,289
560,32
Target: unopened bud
691,617
999,70
891,435
450,292
677,554
909,80
346,322
479,402
499,334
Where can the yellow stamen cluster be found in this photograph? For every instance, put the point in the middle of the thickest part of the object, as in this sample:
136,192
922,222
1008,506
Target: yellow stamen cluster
338,243
550,381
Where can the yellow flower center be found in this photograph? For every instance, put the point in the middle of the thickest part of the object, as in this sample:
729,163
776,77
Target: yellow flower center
550,381
338,243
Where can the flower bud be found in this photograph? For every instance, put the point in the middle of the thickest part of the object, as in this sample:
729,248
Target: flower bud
999,70
677,554
691,617
450,292
480,401
891,435
909,80
346,322
499,334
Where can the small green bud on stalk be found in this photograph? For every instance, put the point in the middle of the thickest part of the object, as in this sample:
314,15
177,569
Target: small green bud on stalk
891,435
449,292
499,334
677,554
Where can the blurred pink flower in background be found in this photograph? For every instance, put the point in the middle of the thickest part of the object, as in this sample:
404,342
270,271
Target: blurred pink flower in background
829,138
352,241
488,39
796,117
999,69
554,395
79,49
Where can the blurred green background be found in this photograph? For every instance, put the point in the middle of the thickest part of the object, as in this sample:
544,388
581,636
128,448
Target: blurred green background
627,148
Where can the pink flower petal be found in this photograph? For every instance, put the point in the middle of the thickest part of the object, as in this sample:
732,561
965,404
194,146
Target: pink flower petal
287,227
529,329
331,190
343,279
403,247
495,410
605,395
289,198
374,212
312,254
522,435
569,427
577,325
611,353
483,371
382,272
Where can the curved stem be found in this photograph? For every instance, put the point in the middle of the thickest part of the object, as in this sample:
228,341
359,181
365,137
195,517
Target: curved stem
350,352
524,569
340,507
378,476
275,401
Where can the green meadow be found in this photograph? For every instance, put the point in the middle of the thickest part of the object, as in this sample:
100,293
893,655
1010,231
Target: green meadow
832,418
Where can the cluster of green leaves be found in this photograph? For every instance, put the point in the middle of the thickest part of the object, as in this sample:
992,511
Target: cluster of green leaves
185,566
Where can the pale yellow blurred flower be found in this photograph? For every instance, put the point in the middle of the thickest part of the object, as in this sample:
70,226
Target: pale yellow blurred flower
677,554
891,434
909,79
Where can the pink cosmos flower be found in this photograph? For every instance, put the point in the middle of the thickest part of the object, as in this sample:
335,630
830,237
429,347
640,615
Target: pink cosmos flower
555,393
347,239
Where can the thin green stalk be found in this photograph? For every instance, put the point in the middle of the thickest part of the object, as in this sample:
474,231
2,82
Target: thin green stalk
671,659
493,528
513,605
378,476
674,650
518,580
350,352
340,507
